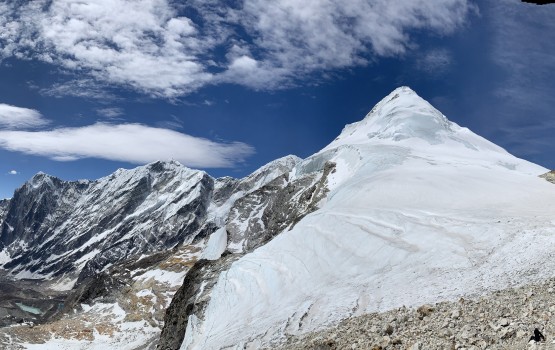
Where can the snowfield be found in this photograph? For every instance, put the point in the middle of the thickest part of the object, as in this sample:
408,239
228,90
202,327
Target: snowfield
419,210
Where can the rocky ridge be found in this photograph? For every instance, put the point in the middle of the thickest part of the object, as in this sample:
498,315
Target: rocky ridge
3,208
55,228
156,194
503,319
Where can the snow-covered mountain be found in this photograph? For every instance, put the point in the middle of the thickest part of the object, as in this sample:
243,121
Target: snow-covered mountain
402,208
53,228
116,248
415,209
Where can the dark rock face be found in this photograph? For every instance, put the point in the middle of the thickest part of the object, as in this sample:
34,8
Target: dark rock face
190,299
259,216
4,203
37,206
53,227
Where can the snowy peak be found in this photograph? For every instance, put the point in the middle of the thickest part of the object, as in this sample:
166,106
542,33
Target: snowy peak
153,169
272,170
42,180
406,120
399,116
405,207
404,111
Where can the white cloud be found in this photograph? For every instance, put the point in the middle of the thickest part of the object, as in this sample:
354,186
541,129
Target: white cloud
12,172
134,143
143,44
20,118
147,45
110,112
298,37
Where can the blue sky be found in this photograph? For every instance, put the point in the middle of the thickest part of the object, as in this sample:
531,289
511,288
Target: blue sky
87,87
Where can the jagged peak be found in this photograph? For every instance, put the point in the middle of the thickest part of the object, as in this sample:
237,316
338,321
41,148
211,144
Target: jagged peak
160,165
41,178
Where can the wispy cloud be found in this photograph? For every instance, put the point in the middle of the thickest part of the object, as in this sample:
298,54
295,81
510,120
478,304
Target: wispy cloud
134,143
524,40
20,118
174,124
87,88
150,47
299,37
110,112
12,172
435,62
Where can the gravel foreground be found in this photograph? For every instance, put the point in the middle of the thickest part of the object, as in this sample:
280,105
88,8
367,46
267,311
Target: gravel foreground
500,320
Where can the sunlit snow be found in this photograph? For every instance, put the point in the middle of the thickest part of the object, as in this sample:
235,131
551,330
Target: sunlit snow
419,210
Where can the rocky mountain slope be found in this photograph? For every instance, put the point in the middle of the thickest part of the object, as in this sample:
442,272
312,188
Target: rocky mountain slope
54,228
89,242
504,319
3,208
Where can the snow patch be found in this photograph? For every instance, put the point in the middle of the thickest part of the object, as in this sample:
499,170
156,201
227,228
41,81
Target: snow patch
216,245
4,257
163,276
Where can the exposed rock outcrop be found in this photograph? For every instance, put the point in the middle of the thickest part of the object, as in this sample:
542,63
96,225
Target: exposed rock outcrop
549,176
191,299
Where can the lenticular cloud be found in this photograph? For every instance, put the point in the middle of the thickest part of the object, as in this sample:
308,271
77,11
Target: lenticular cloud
134,143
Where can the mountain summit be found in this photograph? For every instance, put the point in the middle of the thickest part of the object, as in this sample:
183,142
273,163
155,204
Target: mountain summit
400,115
403,116
417,209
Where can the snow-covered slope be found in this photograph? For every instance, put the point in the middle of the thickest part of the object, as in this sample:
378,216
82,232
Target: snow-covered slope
418,210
